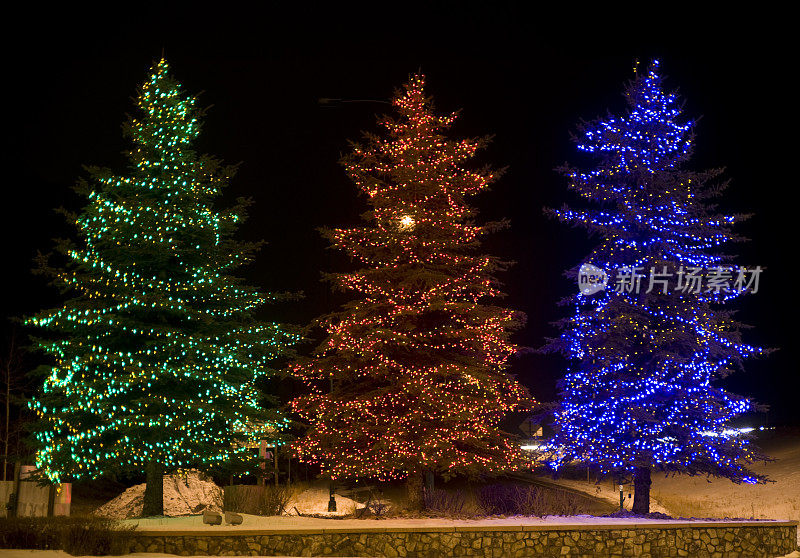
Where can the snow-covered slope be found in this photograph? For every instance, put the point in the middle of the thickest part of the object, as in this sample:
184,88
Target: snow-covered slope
682,496
701,497
314,501
185,494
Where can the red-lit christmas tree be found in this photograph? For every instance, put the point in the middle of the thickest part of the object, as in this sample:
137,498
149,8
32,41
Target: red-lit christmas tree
410,379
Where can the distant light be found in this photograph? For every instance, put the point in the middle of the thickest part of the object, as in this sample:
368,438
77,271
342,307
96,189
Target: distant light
531,447
407,222
728,432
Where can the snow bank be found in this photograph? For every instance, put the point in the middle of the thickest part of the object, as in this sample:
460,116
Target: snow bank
184,494
314,501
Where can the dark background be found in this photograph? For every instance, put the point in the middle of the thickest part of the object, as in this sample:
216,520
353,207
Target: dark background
527,78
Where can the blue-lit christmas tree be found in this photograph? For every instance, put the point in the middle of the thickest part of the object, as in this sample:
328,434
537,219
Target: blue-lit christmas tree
640,393
157,355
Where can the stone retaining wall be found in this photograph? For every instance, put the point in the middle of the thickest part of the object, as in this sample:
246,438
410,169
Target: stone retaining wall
700,540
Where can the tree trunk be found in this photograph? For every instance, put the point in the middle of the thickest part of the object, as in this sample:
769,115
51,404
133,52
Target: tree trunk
12,512
641,490
154,490
8,419
8,408
275,458
429,486
415,491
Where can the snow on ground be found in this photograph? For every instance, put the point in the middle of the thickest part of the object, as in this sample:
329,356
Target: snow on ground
683,496
701,497
697,497
605,491
315,501
253,522
62,554
185,494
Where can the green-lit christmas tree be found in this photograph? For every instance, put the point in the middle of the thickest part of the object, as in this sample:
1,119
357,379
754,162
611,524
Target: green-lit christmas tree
158,352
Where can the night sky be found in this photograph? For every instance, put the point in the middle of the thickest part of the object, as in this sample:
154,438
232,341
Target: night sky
525,81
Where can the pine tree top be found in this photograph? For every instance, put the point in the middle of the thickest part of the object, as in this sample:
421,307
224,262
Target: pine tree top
649,137
169,121
418,181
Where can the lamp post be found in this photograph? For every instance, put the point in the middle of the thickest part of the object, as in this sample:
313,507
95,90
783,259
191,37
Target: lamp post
331,499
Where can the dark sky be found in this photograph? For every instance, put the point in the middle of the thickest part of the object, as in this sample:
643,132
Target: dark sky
527,80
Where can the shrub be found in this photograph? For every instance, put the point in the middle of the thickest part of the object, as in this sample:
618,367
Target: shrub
76,535
256,500
512,499
96,537
29,532
497,499
378,508
444,502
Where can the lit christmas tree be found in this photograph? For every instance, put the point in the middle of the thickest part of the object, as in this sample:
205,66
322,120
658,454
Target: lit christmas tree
410,379
641,394
158,354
